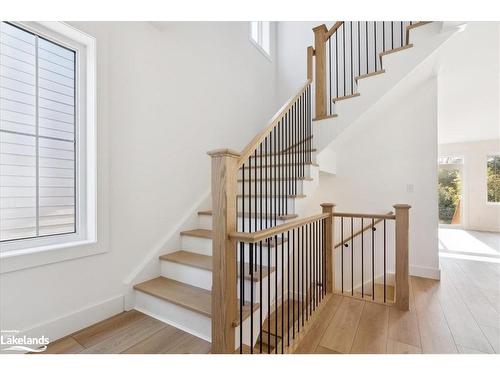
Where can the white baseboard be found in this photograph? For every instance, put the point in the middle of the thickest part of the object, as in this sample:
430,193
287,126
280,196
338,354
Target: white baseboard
69,323
427,272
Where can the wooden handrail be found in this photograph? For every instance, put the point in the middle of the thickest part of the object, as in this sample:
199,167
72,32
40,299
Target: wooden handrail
260,235
256,141
362,230
333,29
389,216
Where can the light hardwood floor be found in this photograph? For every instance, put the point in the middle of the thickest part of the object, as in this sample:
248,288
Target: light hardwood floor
459,314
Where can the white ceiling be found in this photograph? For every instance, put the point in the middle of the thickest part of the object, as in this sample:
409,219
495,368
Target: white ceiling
469,85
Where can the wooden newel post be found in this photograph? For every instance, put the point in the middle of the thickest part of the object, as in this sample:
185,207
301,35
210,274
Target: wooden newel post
320,70
224,270
329,257
310,54
402,257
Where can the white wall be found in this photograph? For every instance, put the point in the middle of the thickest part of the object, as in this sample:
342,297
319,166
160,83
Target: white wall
390,157
477,214
469,85
167,94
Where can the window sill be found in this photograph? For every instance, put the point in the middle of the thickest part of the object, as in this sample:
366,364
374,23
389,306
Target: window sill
16,260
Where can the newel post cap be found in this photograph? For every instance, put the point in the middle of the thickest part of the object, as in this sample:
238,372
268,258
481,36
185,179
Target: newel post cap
224,152
327,207
402,205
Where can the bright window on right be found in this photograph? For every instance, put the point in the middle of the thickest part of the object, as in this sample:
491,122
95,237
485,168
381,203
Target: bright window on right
493,178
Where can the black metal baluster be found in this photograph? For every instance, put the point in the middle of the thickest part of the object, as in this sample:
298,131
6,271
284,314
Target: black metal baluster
269,296
255,201
343,54
282,292
366,42
359,49
261,322
337,63
373,259
330,73
276,295
293,282
302,275
288,286
242,280
383,36
362,261
307,250
299,294
392,34
315,270
375,42
342,253
352,256
242,294
249,195
352,64
401,34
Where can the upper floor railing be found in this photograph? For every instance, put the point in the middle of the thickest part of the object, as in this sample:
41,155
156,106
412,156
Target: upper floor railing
349,52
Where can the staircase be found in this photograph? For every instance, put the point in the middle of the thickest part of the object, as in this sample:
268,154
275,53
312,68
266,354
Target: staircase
254,264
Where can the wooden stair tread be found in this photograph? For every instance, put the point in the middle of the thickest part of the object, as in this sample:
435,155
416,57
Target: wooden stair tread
363,76
240,214
201,233
190,297
339,98
205,262
206,233
324,117
405,47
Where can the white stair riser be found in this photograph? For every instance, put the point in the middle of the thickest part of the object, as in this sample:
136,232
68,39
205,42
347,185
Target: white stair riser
273,203
293,157
273,172
205,222
203,279
269,187
203,246
189,321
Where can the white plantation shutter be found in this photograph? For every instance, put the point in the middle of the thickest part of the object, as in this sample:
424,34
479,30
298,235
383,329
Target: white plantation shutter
37,136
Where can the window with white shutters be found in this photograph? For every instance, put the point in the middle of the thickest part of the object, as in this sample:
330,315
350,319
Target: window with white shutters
38,187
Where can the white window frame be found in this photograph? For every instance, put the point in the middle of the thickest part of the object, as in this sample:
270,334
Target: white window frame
259,42
68,245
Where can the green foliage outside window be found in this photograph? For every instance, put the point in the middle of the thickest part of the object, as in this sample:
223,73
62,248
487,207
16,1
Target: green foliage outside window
449,186
493,175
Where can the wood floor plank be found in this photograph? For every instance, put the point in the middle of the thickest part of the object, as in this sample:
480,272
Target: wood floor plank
403,326
170,340
66,345
322,350
493,336
100,331
340,333
464,328
480,307
397,347
125,339
371,336
311,340
464,350
435,335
